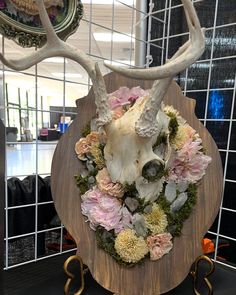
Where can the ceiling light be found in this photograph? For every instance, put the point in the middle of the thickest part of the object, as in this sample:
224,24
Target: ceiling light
229,81
128,2
59,60
115,37
67,75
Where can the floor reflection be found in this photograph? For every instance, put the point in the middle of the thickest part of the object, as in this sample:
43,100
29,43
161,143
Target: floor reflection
21,158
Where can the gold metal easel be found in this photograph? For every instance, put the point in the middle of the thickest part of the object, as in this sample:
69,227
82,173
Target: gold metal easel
194,273
71,277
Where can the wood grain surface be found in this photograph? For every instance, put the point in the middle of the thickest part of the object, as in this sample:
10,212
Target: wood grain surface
149,278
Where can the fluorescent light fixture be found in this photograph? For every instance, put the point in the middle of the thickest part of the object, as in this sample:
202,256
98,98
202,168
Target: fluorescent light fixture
68,75
115,37
229,81
59,60
201,65
128,2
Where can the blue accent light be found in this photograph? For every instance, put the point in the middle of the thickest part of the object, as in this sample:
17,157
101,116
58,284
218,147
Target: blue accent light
216,105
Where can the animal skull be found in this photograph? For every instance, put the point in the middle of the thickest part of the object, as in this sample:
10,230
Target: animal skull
127,153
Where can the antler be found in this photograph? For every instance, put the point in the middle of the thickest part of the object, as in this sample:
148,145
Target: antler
57,47
187,54
146,126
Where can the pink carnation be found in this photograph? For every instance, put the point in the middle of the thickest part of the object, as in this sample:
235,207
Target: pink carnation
104,210
190,163
83,146
106,185
125,96
159,245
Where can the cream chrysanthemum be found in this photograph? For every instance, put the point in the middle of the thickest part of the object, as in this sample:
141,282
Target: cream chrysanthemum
185,133
156,220
130,247
171,112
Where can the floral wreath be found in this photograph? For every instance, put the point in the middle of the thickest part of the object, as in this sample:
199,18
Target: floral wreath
130,226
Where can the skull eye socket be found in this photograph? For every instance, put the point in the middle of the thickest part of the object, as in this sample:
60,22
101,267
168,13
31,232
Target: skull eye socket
153,170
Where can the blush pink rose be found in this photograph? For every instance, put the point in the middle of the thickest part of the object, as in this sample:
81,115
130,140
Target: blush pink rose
159,245
106,185
125,96
104,210
190,163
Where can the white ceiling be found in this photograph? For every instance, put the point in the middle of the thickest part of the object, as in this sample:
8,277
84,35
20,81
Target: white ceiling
102,14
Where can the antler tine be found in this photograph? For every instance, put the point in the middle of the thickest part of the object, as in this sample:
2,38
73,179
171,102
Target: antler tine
146,125
184,57
57,47
53,47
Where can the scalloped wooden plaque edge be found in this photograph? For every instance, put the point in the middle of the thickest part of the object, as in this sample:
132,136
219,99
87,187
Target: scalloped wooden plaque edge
148,278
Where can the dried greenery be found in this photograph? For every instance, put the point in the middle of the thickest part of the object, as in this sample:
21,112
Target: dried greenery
173,127
162,138
83,182
86,131
176,220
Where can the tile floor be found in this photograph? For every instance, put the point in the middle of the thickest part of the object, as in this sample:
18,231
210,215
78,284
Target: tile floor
21,158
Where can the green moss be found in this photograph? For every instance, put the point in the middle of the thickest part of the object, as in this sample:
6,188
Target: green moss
86,131
162,138
98,155
142,205
176,220
102,147
82,182
130,190
173,127
163,203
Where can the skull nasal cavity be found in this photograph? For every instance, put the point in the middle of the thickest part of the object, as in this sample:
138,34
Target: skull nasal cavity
153,170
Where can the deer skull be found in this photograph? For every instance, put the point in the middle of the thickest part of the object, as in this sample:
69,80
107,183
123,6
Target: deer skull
127,153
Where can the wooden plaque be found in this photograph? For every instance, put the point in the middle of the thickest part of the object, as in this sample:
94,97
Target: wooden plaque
148,278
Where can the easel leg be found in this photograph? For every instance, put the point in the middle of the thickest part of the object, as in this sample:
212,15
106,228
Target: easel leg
195,273
71,276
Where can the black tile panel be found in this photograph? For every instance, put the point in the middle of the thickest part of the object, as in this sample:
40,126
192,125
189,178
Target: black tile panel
200,98
233,137
230,195
219,131
227,225
226,12
231,167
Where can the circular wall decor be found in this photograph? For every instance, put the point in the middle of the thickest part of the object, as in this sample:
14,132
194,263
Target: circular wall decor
19,20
